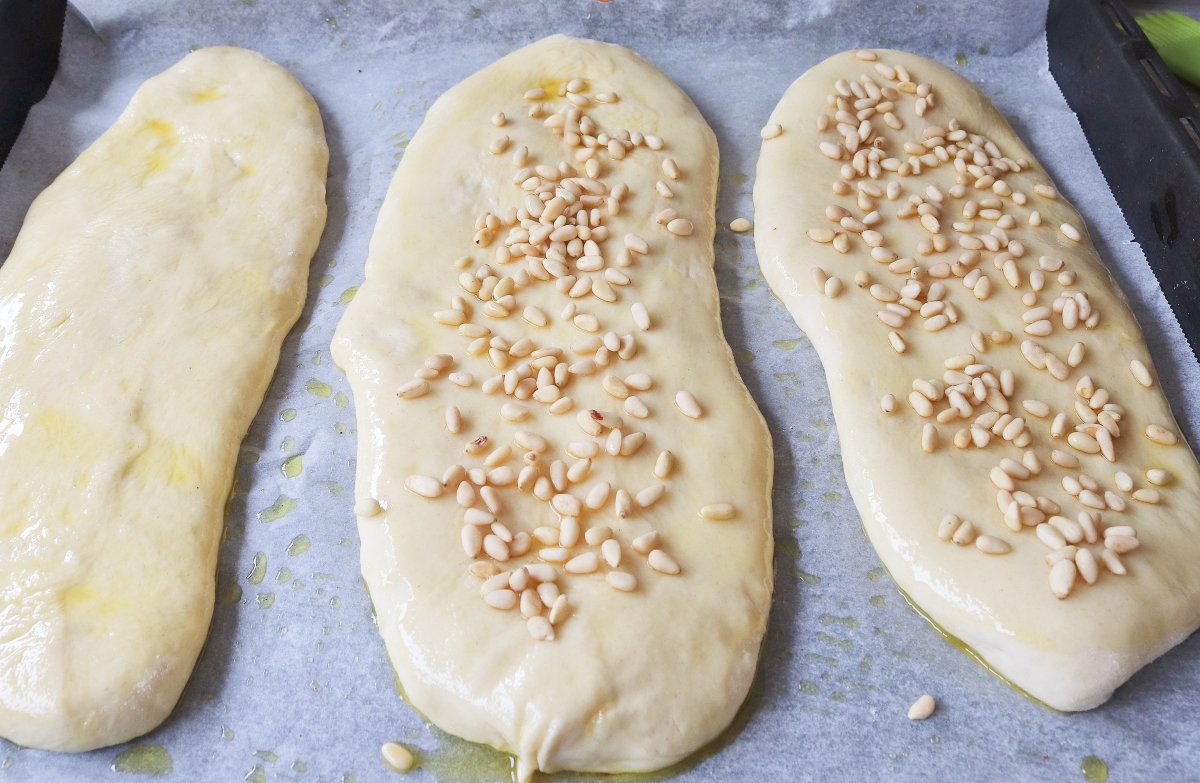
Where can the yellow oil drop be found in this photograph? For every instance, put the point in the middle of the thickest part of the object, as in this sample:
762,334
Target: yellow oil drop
284,576
845,622
467,762
300,544
81,596
341,400
145,759
265,600
340,428
293,466
1094,769
227,734
282,506
348,295
259,570
256,775
232,595
287,444
319,388
162,128
787,345
835,641
553,87
267,755
288,415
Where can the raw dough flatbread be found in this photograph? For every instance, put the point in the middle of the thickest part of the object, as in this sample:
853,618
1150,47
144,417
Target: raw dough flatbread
141,315
1071,652
632,680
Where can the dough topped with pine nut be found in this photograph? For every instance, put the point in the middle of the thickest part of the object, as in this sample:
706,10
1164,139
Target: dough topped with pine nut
1015,464
142,311
563,490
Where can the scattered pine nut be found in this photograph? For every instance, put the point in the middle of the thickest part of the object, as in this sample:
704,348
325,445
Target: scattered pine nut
499,145
1141,373
397,756
621,580
650,495
774,130
687,404
664,464
413,389
425,486
718,511
367,508
1147,495
541,628
641,317
922,708
1062,578
681,227
992,546
1161,435
646,543
929,438
1159,477
662,562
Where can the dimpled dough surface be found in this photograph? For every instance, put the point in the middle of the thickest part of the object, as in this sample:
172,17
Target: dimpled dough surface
631,680
1071,653
141,315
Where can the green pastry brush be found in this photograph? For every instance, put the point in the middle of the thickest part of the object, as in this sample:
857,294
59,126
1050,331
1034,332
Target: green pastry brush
1177,39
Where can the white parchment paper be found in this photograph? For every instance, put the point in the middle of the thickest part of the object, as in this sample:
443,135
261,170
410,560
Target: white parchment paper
294,683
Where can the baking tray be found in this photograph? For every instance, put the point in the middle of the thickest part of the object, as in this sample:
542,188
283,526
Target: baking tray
293,683
1145,131
30,35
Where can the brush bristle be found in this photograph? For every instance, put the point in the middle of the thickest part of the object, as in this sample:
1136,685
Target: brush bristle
1168,27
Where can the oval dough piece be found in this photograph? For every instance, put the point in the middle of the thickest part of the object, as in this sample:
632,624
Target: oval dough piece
141,315
631,680
906,469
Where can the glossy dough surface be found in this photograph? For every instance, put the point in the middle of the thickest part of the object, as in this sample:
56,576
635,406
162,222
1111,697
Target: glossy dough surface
631,680
906,469
141,315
